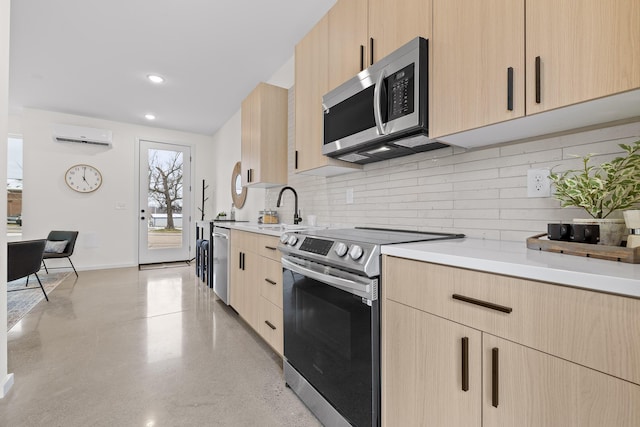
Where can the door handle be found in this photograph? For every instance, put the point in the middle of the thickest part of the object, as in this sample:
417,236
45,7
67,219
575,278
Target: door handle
538,80
371,51
141,217
269,324
510,88
377,96
465,364
269,281
495,377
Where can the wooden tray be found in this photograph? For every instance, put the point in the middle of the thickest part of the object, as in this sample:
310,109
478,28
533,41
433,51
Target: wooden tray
612,253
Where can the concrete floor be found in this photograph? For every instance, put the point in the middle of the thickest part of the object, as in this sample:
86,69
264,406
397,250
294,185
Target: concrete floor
148,348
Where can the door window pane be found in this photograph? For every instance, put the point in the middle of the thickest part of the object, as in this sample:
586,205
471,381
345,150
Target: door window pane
14,187
165,199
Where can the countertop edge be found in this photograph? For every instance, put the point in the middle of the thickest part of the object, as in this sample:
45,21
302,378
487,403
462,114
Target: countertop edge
575,275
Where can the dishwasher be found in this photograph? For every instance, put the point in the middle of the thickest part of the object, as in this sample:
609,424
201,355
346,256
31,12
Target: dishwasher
220,272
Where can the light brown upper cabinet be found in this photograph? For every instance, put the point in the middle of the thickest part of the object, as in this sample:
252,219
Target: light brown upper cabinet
347,40
362,32
394,23
264,136
478,67
311,83
586,49
553,66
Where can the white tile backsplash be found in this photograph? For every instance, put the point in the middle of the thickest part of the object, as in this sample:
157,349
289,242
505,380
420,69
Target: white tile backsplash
480,192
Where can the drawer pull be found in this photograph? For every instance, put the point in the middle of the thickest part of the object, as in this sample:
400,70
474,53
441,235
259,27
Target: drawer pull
486,304
271,282
270,248
494,377
269,324
465,364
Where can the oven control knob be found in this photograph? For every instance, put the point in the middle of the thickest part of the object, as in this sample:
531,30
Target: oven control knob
292,240
284,237
355,252
341,249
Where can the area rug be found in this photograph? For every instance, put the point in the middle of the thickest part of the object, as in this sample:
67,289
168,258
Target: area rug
20,303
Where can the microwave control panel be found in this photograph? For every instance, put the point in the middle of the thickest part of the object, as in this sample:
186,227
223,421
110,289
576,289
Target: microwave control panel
401,92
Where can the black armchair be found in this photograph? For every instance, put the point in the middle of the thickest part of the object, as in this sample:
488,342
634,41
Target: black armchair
58,236
23,259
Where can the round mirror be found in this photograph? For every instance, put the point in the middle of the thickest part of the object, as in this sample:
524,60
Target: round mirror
238,192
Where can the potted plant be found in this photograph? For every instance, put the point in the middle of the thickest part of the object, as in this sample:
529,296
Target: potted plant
602,190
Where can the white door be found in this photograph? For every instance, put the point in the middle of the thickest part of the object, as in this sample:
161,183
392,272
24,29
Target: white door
165,201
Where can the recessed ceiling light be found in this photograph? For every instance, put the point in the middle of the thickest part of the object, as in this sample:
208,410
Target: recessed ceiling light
149,117
155,78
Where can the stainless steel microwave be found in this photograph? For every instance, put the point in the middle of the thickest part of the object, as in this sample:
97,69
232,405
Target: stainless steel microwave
383,112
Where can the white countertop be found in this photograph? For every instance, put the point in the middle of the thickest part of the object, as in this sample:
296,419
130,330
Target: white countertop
270,229
514,259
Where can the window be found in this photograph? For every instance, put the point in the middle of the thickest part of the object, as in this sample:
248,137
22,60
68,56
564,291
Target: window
14,186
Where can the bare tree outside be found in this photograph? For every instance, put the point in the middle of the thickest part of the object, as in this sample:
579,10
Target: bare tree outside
165,183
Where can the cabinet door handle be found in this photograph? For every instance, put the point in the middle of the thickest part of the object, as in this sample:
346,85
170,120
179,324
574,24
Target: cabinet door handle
269,324
361,57
486,304
240,260
538,84
270,248
510,88
296,161
271,282
371,51
495,377
465,364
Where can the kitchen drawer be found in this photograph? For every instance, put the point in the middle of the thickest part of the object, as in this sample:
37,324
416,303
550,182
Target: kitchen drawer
590,328
267,247
271,325
270,280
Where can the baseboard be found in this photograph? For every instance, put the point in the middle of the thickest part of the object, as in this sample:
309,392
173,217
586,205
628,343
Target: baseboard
6,385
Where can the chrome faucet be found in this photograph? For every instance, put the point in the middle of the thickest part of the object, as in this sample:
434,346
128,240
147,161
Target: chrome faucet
296,215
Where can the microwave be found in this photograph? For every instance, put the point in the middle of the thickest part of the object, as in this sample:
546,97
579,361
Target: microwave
383,112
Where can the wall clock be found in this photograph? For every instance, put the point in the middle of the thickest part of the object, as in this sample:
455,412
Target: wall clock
83,178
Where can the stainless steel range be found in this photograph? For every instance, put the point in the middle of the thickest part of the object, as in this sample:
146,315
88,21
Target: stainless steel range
331,280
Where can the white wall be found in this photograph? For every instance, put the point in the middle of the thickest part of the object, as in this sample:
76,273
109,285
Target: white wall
6,380
108,236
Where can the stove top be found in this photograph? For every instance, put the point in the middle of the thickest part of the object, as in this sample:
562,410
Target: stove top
352,249
380,236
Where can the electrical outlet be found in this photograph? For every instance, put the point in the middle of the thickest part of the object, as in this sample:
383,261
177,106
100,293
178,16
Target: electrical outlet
538,183
349,195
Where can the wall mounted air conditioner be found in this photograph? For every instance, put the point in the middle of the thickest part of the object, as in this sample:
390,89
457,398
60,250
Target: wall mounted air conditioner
82,135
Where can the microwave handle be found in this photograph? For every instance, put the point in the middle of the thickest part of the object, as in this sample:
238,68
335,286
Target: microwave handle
377,114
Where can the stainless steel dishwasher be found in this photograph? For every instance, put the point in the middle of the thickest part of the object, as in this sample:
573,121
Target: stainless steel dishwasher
221,263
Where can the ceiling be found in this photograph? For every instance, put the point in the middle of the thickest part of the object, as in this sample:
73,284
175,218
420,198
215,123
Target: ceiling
91,57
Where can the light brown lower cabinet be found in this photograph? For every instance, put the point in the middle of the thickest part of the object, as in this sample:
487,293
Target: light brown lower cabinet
449,368
256,284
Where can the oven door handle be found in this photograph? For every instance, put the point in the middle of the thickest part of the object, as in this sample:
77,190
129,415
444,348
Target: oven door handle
367,288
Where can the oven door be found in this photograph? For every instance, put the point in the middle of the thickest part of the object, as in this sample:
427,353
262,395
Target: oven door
331,337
